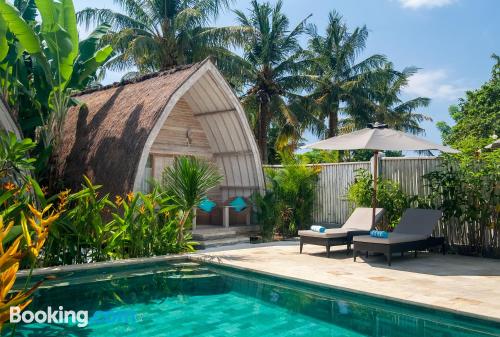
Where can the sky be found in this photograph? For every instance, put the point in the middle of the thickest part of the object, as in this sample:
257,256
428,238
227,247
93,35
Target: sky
451,41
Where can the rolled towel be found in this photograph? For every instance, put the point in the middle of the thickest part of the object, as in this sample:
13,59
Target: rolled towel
379,234
319,229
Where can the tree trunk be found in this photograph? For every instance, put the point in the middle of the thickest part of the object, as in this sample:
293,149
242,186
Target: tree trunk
333,125
333,121
180,235
263,127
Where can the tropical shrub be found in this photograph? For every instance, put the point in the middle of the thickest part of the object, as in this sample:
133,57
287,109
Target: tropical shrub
82,232
389,196
89,226
25,223
188,181
466,189
14,157
147,225
288,203
319,156
466,186
18,247
94,228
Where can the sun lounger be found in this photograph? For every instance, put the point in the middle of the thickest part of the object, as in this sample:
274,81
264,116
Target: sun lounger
413,233
359,223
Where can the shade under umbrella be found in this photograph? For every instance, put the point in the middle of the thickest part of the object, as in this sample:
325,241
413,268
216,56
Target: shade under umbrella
378,137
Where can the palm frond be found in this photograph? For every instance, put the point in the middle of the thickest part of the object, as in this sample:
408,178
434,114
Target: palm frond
118,21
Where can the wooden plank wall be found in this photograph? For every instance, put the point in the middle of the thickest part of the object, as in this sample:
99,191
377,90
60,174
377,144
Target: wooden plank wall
331,205
408,172
172,141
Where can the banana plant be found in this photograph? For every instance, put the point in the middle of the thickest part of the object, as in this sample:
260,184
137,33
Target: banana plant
90,58
57,65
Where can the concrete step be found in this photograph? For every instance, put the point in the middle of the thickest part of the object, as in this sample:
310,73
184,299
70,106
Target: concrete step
213,235
222,242
246,230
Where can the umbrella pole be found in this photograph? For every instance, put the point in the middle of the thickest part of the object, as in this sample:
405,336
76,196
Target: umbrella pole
375,181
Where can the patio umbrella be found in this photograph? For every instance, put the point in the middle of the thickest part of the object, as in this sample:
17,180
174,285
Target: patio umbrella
494,145
377,137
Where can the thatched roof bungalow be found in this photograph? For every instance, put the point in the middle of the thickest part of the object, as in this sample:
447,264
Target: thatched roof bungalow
127,132
6,121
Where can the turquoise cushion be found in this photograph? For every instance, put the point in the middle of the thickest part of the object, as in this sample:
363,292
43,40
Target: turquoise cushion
206,205
379,234
238,204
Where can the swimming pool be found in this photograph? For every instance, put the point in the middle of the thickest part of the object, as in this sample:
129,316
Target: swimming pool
187,298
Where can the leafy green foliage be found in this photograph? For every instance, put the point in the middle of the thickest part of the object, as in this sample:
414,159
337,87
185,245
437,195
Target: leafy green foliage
385,105
338,76
52,65
15,162
288,203
157,35
477,116
94,228
188,181
319,157
19,192
466,189
89,226
147,224
389,196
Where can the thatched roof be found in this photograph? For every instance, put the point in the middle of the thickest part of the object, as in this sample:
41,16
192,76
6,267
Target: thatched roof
104,139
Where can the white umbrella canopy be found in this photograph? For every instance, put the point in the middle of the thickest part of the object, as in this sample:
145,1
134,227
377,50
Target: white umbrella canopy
378,137
494,145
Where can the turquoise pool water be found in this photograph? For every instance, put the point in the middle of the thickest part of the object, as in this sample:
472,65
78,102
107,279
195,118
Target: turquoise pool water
189,299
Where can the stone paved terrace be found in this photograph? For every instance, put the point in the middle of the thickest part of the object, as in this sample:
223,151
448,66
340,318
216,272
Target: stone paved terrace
457,283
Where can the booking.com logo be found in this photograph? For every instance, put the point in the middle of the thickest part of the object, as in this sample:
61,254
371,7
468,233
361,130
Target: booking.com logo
80,318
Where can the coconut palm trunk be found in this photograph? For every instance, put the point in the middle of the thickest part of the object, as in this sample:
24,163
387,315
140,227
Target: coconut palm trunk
333,119
262,136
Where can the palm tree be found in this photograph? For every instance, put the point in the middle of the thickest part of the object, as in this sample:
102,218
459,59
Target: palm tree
159,34
388,107
188,181
339,77
271,69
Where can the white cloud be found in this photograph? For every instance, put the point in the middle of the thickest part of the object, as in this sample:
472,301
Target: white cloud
434,84
414,4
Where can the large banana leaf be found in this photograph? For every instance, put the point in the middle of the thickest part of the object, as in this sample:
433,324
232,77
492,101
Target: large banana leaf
27,9
48,12
24,33
67,19
89,46
86,70
4,44
60,33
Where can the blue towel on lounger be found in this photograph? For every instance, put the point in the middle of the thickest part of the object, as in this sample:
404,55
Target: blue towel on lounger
379,234
319,229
